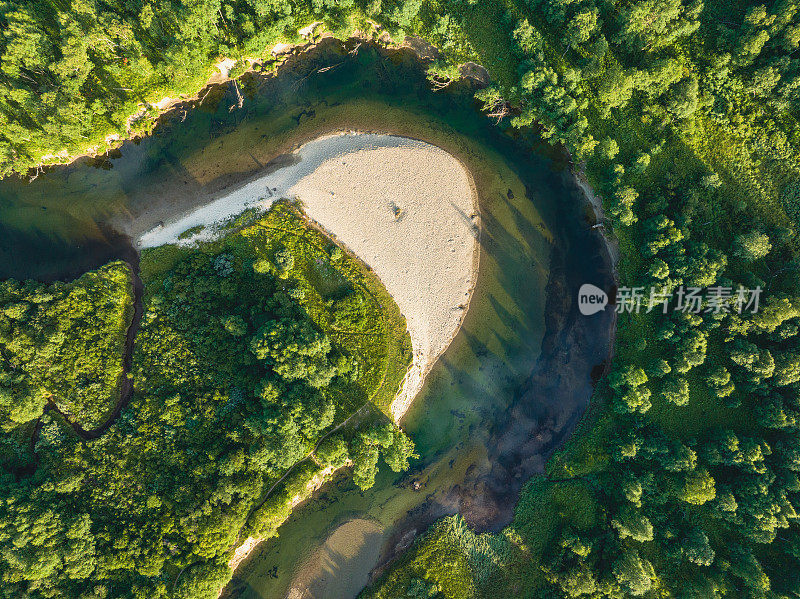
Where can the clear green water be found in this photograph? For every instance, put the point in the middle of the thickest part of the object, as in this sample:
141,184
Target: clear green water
63,223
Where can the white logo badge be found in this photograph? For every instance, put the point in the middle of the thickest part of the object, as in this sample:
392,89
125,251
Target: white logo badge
591,299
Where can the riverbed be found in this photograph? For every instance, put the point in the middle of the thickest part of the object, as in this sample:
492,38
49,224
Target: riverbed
508,390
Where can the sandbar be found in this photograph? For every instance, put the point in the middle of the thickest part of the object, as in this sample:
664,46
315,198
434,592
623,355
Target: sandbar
406,208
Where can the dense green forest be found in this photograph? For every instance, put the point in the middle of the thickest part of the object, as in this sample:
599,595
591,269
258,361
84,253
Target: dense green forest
682,480
61,346
264,360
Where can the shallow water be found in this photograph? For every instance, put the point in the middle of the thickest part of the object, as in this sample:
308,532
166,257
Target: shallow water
493,407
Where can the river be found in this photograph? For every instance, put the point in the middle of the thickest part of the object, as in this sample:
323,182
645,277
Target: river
506,393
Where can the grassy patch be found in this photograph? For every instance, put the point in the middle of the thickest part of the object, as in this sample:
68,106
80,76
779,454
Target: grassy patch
453,560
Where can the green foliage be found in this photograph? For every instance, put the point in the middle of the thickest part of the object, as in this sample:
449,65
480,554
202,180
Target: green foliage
608,148
450,561
633,573
630,523
698,488
294,351
702,444
690,447
63,344
461,563
333,451
791,200
682,98
751,246
244,390
676,390
73,74
632,394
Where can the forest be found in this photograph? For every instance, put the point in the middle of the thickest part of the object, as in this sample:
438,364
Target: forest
683,478
264,361
61,346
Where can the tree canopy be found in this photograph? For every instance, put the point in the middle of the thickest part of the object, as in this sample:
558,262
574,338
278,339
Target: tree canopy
244,386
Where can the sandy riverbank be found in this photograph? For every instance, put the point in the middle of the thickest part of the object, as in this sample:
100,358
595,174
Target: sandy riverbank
313,485
339,568
408,209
